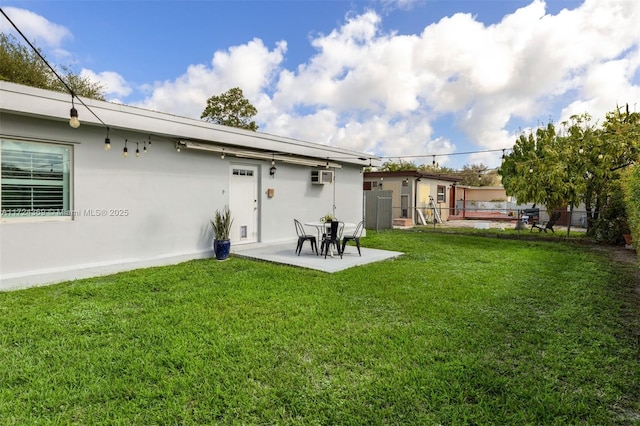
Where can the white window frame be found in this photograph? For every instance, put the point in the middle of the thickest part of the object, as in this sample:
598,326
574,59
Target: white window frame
441,197
53,162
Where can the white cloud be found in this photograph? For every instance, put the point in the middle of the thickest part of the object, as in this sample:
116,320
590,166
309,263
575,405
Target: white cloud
383,90
114,84
383,93
249,66
40,32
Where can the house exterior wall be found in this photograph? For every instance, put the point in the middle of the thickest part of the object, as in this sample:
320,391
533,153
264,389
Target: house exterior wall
418,192
295,197
429,187
152,210
485,193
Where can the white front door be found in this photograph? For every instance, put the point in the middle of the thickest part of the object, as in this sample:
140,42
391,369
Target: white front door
243,203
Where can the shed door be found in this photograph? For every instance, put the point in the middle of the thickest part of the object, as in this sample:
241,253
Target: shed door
243,203
404,205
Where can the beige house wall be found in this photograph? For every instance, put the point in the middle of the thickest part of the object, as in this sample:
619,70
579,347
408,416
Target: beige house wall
417,191
485,193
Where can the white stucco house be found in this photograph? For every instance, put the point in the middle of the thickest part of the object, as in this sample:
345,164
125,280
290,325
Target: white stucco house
72,209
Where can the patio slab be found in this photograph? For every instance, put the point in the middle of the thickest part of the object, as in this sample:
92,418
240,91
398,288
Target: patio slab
286,254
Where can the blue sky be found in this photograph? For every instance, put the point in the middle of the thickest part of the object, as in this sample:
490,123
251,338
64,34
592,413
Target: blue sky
394,78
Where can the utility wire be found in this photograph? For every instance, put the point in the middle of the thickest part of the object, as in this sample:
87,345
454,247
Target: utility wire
37,53
443,155
73,94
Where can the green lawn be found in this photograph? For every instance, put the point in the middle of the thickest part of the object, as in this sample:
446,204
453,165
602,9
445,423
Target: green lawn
463,329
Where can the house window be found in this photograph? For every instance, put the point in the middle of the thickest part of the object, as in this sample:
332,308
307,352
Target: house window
441,194
242,172
35,179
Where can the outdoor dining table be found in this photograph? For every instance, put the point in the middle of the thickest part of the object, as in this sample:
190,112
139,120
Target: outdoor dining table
322,226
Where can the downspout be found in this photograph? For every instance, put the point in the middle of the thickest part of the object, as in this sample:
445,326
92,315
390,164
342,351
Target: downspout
334,193
415,201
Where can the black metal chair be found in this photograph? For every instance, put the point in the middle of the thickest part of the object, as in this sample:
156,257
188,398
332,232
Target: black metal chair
303,236
555,216
332,237
354,237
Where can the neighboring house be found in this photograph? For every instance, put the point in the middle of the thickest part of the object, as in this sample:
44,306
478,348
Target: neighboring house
492,202
413,195
473,202
71,209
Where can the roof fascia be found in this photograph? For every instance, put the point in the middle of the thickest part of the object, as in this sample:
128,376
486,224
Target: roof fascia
25,100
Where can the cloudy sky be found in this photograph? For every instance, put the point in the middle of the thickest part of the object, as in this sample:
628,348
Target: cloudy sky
396,78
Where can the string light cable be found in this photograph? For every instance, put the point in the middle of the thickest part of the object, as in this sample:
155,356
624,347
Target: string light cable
110,129
73,113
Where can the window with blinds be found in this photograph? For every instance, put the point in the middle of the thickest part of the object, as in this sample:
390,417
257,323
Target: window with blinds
35,179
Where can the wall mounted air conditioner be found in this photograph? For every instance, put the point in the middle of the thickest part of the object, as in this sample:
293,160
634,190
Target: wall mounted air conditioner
320,177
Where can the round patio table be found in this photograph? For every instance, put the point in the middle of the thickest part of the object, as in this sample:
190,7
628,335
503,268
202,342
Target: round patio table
322,226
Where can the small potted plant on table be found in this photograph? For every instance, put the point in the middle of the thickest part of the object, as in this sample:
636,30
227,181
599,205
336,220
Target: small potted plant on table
221,225
327,218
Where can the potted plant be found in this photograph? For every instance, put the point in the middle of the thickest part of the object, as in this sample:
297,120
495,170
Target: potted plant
327,218
221,225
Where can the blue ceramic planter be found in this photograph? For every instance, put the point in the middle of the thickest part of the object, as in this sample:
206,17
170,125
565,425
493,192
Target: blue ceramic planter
221,248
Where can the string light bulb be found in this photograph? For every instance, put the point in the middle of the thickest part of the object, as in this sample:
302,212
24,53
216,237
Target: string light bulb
107,142
125,151
73,121
137,150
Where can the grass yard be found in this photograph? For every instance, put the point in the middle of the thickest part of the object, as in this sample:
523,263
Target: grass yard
463,329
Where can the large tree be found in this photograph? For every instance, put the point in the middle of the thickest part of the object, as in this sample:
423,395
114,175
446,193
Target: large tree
578,164
22,65
532,172
231,109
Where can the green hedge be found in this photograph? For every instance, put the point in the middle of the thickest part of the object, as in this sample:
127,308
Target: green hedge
631,188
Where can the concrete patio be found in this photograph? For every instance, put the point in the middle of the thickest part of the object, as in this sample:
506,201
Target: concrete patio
285,253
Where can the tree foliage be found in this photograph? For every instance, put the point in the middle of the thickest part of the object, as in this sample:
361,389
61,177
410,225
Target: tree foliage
436,168
579,164
20,64
400,166
477,175
471,175
231,109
